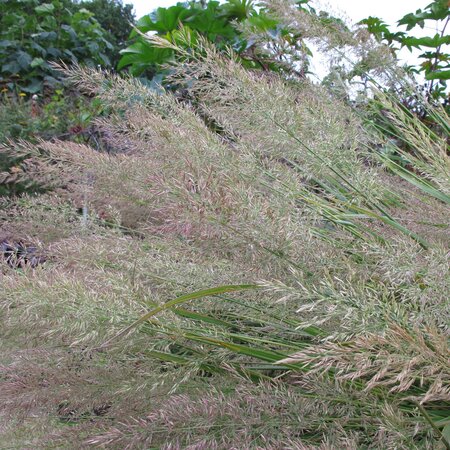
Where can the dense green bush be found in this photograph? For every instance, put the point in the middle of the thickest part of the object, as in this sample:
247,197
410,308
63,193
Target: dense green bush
56,116
63,114
116,19
34,33
256,36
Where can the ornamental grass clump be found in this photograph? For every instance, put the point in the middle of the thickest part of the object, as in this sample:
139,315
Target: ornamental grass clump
245,269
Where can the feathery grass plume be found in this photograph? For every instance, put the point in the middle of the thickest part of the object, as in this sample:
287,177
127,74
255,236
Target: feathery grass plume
404,360
354,49
423,152
206,177
400,283
245,417
28,171
316,146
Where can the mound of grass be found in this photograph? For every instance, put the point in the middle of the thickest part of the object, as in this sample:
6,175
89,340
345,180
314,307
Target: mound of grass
280,284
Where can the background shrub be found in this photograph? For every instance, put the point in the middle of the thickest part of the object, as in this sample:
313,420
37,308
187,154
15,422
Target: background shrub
34,33
259,39
116,19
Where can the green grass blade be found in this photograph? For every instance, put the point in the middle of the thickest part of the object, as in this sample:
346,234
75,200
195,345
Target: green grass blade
180,300
416,181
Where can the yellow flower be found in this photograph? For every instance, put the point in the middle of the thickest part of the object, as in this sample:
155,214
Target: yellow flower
22,94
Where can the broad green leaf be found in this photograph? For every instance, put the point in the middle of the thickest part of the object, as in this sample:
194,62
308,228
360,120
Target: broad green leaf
24,59
34,86
6,44
37,62
11,67
427,41
163,20
68,29
106,61
45,8
45,35
438,75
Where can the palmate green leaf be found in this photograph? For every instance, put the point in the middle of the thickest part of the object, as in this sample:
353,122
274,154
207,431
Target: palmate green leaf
210,26
180,300
163,20
45,8
238,9
411,20
427,41
211,22
262,22
438,75
215,22
437,10
375,25
143,54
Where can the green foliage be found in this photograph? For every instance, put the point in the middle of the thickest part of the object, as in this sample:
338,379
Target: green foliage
65,114
116,19
258,38
54,117
435,65
34,33
213,22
